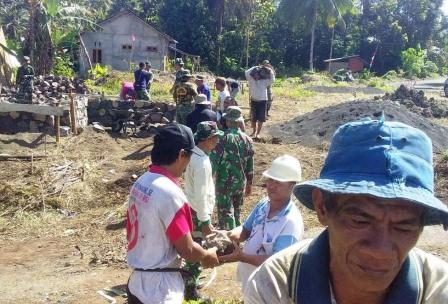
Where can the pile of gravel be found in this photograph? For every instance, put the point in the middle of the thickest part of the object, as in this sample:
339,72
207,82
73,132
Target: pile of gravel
315,128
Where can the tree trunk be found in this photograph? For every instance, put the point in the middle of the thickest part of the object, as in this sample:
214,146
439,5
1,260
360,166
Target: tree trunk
313,29
331,50
221,17
247,46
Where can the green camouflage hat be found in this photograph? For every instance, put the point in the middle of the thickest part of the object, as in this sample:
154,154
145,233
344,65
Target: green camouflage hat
205,130
233,113
186,73
179,61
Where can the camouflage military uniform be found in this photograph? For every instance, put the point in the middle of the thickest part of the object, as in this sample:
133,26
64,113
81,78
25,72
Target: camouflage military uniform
25,83
233,165
184,95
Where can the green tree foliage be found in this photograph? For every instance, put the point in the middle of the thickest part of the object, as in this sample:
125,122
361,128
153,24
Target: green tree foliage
232,34
306,14
413,61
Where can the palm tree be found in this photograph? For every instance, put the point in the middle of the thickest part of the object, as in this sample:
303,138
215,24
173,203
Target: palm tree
49,23
242,9
306,13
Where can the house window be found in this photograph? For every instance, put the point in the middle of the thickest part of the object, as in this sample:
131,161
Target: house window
151,49
97,56
126,47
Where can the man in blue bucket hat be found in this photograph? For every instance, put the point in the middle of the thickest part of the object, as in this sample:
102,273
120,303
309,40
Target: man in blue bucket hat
374,196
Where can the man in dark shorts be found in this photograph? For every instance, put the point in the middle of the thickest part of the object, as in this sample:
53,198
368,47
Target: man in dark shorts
258,96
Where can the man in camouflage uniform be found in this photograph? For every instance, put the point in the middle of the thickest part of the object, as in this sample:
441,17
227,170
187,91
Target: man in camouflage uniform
200,192
24,81
233,165
179,68
184,94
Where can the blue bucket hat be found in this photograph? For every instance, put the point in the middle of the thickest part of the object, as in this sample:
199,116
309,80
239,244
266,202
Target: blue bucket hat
388,160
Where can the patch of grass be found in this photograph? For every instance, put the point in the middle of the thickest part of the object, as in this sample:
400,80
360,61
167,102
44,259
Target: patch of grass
161,91
377,82
293,92
444,157
111,86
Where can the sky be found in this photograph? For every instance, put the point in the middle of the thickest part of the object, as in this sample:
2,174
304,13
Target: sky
445,7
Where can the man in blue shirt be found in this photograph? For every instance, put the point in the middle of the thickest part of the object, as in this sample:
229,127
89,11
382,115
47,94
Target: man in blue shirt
142,79
202,87
273,225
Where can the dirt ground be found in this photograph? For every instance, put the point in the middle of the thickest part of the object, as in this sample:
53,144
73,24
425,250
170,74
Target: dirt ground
61,217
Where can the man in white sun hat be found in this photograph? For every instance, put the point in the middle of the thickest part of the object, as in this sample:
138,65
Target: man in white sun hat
273,225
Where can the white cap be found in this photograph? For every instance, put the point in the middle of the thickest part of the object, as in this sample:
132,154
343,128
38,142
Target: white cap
284,169
201,99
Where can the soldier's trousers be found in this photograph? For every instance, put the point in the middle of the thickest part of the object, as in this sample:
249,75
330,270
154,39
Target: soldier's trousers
194,268
142,95
182,111
229,208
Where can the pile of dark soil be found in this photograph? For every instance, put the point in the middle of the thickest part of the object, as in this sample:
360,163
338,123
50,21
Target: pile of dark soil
316,128
417,102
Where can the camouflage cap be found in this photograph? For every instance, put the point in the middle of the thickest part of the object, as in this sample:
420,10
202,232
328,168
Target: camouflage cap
205,130
186,73
233,113
178,61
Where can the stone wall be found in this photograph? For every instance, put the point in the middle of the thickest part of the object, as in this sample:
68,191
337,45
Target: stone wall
105,111
22,121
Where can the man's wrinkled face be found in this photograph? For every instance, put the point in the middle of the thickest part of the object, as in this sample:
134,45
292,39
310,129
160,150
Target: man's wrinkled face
369,238
279,191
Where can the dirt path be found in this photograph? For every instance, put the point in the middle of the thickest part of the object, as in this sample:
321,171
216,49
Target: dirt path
53,256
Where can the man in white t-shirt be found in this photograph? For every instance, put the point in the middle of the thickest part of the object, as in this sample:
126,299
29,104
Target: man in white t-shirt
159,223
221,86
200,191
273,225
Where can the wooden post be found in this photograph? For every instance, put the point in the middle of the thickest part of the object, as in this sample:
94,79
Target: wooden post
57,125
73,114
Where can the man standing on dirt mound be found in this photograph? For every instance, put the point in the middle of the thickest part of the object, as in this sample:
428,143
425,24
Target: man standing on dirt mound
159,223
258,95
233,165
374,196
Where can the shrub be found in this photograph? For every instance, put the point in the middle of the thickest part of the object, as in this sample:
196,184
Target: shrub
63,66
98,71
413,61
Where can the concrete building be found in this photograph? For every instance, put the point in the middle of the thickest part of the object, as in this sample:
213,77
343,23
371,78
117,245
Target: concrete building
123,42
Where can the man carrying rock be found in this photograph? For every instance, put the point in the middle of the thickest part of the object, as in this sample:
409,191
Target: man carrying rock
141,80
159,223
200,191
184,95
374,196
25,80
200,113
258,96
267,64
233,165
274,224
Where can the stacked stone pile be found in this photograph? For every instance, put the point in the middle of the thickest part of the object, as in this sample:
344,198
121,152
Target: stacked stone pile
48,90
105,111
417,102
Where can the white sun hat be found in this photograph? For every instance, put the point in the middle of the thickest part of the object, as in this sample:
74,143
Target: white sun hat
284,169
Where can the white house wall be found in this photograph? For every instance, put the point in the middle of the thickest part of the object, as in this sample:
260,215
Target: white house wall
118,32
